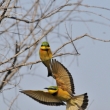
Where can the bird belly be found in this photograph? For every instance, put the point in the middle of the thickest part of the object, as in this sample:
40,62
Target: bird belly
63,95
45,55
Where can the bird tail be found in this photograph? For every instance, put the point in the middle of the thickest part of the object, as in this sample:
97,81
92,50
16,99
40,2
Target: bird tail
47,64
49,71
79,102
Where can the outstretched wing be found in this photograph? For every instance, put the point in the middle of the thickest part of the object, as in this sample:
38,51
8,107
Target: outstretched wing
43,97
62,76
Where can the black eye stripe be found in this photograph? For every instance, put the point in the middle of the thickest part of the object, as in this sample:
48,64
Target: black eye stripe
52,88
45,45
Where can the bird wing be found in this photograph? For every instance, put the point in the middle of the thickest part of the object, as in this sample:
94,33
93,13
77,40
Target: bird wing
62,76
43,97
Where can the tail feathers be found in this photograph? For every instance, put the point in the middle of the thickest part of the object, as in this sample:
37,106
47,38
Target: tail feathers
79,102
47,64
49,71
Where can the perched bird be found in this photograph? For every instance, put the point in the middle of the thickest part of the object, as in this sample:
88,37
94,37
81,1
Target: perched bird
46,55
63,92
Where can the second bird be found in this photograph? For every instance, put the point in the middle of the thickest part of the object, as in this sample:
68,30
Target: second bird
46,55
62,93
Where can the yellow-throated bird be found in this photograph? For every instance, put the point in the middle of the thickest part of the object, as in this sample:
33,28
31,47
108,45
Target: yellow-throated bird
46,55
63,92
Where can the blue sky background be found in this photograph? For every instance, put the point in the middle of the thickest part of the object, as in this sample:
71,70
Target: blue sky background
90,70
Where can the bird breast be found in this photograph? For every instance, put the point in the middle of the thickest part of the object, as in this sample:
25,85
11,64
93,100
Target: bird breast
63,95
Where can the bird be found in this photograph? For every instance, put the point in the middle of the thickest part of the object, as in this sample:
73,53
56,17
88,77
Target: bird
46,55
61,94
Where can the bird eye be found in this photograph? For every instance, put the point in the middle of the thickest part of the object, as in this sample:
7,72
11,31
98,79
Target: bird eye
53,88
47,45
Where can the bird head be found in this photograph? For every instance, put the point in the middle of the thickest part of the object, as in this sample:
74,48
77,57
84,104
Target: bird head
52,89
45,45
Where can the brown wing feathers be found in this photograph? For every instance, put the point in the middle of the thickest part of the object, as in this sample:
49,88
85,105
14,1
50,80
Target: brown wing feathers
43,97
61,73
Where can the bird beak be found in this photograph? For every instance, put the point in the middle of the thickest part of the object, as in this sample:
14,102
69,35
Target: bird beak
45,88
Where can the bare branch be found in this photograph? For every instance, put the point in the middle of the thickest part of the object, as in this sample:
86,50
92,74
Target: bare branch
27,47
13,102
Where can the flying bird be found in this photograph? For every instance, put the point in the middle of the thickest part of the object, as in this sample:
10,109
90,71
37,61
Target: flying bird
63,92
46,55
